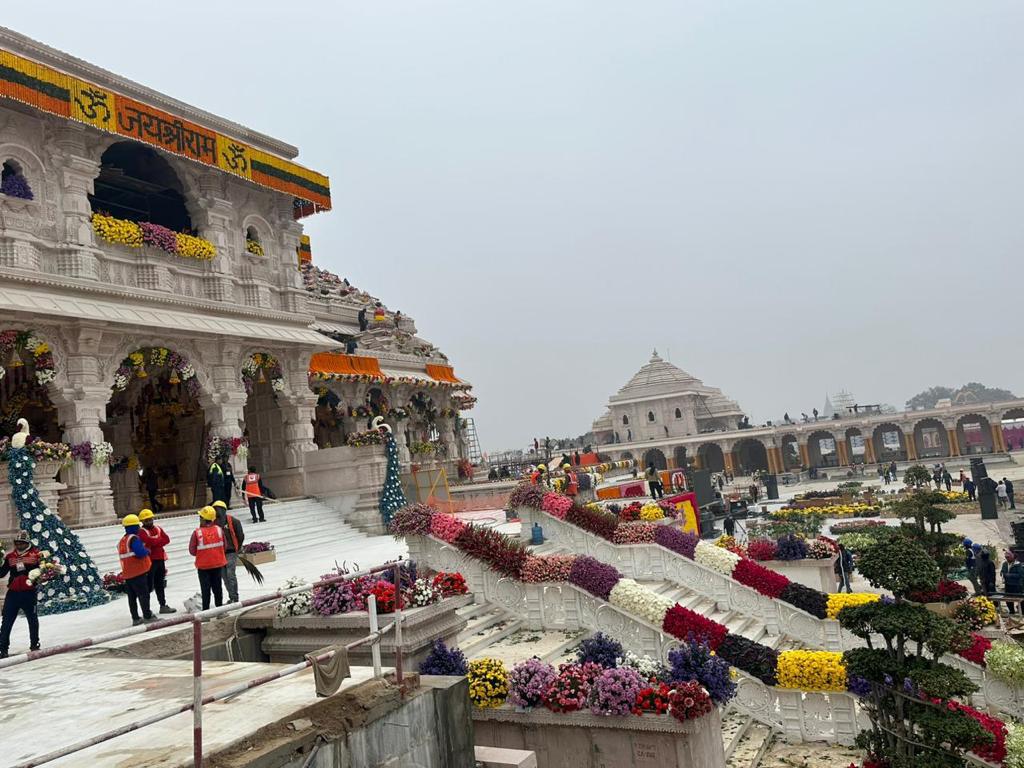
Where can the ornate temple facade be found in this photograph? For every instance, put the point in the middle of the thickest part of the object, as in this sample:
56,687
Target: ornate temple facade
159,305
666,417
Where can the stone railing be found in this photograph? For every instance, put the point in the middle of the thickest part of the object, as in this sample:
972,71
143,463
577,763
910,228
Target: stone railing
830,716
653,562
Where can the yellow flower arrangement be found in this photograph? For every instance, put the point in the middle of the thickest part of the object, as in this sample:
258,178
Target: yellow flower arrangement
724,541
955,496
137,358
836,510
838,601
192,247
811,671
118,231
253,247
651,512
488,683
41,348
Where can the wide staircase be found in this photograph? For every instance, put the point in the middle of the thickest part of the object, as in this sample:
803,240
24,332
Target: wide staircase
296,527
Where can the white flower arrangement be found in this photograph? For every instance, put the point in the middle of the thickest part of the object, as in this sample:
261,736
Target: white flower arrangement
717,559
186,371
640,601
101,453
277,384
46,376
424,593
120,382
646,666
298,604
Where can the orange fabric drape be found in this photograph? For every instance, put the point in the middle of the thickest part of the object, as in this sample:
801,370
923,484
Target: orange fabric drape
345,365
442,373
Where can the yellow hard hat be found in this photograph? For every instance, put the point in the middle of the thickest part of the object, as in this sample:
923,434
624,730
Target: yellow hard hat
145,514
566,466
207,513
542,468
130,520
221,504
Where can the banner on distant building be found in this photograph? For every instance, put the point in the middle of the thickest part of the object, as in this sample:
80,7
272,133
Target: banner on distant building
891,441
972,434
931,439
857,445
827,445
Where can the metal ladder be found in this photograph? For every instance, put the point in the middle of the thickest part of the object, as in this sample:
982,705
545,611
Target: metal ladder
472,442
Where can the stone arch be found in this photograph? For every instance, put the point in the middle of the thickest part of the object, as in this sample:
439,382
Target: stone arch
856,445
974,434
930,439
656,457
137,183
889,442
680,456
255,229
1012,426
155,422
711,457
818,444
791,458
749,455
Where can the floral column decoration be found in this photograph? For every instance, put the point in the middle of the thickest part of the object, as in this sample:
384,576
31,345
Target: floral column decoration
392,498
141,363
71,582
262,367
16,346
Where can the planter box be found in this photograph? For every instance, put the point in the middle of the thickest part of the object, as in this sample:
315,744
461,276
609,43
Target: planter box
942,609
816,574
585,740
259,558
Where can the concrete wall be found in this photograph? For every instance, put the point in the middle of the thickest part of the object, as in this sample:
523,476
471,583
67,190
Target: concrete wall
348,480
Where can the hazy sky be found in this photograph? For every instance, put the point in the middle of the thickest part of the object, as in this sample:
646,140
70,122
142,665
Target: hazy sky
790,197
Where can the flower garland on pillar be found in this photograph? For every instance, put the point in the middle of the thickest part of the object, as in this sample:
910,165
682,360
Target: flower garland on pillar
17,346
392,498
261,366
80,585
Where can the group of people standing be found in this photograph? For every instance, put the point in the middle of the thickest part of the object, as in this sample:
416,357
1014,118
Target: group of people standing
981,572
214,545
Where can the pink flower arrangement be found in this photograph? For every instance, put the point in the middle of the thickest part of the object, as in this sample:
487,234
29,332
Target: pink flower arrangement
571,688
530,682
615,692
821,548
159,236
446,527
541,568
635,533
688,701
556,505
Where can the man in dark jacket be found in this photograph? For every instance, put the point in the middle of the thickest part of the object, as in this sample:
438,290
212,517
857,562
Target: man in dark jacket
21,592
1013,578
969,488
1009,493
970,563
843,568
987,573
215,480
234,537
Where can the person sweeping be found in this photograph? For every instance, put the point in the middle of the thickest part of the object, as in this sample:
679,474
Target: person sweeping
207,547
21,592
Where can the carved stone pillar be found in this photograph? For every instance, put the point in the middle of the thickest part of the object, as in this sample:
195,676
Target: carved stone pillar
297,411
214,217
89,498
805,455
76,172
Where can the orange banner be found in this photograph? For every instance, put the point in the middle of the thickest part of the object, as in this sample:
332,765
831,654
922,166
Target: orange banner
337,364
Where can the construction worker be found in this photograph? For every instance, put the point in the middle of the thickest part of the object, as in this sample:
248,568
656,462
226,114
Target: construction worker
216,481
21,592
234,535
135,565
253,491
155,539
207,547
572,483
539,475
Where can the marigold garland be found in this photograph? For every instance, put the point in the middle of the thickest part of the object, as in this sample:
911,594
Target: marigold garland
812,671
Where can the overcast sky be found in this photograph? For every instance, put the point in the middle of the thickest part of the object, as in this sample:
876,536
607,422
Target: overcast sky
787,198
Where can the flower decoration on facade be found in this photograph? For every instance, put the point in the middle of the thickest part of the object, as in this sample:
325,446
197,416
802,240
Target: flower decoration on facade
253,247
136,234
38,450
220,448
362,439
488,683
143,362
90,453
19,347
16,185
259,367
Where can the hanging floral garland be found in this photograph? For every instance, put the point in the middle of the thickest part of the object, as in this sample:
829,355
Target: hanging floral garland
136,234
262,367
90,453
139,364
14,343
218,448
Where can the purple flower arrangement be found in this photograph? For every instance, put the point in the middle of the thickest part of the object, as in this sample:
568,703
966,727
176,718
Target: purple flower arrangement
678,541
16,185
595,577
695,661
600,649
615,692
342,596
159,236
443,660
791,548
530,682
253,547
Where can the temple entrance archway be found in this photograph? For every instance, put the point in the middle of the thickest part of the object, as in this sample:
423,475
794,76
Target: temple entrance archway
822,449
655,457
791,453
679,456
1012,425
329,419
155,425
889,442
930,439
26,370
263,379
750,455
711,457
856,446
974,434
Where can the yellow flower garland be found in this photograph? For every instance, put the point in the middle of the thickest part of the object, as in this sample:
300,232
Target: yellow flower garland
840,600
811,671
192,247
488,683
118,231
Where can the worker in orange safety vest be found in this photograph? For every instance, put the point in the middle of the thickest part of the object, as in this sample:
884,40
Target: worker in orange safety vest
135,565
253,490
572,483
207,547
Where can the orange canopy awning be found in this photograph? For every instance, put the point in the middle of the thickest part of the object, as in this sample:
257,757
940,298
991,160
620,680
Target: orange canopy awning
443,373
344,365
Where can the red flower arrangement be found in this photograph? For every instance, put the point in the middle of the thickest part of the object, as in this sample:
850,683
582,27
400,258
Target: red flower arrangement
762,549
571,688
542,568
450,584
652,699
688,701
976,650
503,554
685,624
946,591
598,522
764,580
635,533
994,751
630,512
384,591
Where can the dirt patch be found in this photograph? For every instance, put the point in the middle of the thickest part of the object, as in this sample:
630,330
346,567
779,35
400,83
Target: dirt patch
329,719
